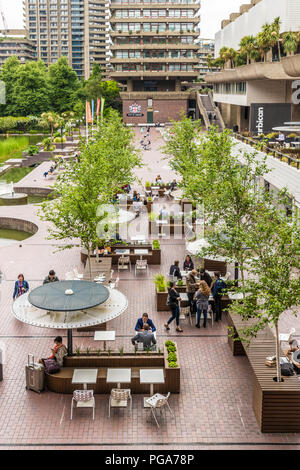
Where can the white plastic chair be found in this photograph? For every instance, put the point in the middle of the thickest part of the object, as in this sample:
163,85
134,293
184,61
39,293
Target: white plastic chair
124,263
119,398
141,265
77,274
114,284
160,402
184,312
83,399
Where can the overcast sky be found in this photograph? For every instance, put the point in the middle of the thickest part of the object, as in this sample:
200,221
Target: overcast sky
212,13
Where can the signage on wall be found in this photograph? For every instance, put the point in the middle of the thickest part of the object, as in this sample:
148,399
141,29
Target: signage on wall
135,110
265,116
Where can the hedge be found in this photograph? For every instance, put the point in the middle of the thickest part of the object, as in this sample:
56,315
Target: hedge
19,124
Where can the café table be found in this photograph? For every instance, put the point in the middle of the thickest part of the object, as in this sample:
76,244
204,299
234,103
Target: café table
122,252
85,377
138,238
104,336
118,376
151,377
184,297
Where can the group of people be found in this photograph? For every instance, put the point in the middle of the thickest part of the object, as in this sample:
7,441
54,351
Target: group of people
22,286
145,142
50,171
201,290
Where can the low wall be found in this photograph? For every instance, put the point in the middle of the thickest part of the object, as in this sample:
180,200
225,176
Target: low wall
33,191
18,224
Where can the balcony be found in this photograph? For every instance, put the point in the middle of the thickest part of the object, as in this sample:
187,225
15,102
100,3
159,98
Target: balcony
150,19
149,60
153,75
154,6
142,33
154,46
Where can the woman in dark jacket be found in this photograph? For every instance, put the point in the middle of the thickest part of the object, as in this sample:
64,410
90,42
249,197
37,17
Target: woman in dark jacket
173,303
188,264
21,286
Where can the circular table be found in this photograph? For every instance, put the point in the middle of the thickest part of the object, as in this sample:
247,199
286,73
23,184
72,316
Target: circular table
114,303
53,296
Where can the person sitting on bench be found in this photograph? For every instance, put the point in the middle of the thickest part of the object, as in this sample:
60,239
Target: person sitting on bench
146,337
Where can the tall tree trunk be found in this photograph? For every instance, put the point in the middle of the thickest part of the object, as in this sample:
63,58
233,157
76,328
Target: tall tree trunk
278,354
90,265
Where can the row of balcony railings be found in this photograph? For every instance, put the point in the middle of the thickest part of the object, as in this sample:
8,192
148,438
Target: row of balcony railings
270,151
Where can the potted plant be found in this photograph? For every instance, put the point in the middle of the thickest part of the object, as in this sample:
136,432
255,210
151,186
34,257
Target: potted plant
161,292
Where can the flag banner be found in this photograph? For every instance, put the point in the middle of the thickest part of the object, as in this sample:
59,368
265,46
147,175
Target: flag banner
93,109
98,106
102,106
89,118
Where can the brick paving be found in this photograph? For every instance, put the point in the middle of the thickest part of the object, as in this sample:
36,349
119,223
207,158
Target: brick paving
214,408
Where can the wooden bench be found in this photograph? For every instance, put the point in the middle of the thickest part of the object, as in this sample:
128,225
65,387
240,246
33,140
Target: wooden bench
276,405
62,381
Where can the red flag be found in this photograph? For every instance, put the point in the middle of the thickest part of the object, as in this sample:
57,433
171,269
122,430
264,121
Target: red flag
98,106
89,118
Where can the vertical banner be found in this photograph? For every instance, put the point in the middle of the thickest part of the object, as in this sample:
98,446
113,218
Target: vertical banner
93,110
102,107
98,110
88,118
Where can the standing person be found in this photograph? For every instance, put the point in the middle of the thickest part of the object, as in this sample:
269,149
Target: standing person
51,277
201,297
173,303
204,276
188,264
191,287
217,288
21,287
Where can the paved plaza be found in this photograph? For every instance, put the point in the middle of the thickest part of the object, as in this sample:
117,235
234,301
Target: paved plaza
214,408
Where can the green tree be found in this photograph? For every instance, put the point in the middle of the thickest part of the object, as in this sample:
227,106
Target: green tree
248,46
64,85
290,43
106,163
273,284
9,74
30,91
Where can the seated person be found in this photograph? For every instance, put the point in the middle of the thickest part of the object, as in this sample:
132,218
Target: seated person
204,276
51,277
175,271
58,352
146,337
142,321
104,251
293,346
188,264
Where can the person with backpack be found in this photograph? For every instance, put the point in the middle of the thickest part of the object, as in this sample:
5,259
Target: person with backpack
217,291
173,304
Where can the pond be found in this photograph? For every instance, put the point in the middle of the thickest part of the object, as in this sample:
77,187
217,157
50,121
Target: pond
10,236
13,147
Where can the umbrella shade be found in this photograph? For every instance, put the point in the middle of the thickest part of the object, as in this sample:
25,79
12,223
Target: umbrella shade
53,296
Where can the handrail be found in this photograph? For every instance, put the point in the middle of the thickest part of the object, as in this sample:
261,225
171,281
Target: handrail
279,155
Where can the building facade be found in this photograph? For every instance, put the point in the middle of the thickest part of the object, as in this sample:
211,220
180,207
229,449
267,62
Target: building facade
154,50
251,17
261,95
15,42
76,29
206,48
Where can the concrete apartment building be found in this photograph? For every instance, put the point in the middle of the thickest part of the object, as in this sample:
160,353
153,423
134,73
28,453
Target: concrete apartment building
76,29
15,42
258,96
206,48
153,51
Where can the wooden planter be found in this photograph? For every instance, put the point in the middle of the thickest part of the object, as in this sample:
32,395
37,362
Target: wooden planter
62,381
161,301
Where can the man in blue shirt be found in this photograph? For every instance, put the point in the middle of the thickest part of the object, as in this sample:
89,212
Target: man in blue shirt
217,291
145,319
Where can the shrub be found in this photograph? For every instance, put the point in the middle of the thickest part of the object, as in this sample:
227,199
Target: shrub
32,150
155,245
173,365
160,282
172,357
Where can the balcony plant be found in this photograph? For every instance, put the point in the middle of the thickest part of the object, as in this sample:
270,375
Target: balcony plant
160,282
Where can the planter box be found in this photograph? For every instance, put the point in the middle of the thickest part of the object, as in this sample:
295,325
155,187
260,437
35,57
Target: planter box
161,301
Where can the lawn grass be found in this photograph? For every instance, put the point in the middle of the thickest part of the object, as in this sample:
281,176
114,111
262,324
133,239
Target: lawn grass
15,174
12,147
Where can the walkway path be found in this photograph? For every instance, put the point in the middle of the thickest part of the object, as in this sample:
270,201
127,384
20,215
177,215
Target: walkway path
214,408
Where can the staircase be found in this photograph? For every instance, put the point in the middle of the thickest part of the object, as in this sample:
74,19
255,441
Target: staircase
206,107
